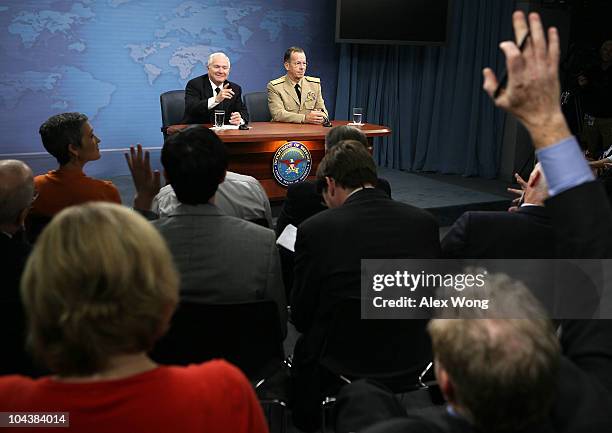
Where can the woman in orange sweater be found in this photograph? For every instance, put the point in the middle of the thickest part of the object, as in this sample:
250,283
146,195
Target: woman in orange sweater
71,140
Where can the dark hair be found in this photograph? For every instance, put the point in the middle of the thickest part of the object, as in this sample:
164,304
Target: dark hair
195,161
349,164
345,132
61,130
290,51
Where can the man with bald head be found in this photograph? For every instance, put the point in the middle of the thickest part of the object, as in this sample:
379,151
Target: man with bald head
16,194
212,91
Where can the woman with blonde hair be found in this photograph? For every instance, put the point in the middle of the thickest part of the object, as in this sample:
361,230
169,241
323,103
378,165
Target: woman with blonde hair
99,289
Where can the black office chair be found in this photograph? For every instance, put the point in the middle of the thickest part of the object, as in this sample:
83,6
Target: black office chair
257,104
246,334
392,352
172,108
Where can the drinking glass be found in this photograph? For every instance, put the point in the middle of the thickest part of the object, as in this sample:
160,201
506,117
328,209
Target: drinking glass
357,116
219,118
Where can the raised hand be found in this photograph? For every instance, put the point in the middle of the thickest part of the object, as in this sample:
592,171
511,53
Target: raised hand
533,90
225,93
146,181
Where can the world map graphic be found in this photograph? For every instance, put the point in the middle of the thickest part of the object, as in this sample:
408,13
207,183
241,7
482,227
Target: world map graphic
111,59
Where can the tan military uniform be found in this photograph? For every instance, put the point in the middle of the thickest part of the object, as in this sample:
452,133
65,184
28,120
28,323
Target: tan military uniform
284,103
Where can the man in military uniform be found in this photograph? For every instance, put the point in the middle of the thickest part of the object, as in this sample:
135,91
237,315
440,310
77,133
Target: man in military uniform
296,98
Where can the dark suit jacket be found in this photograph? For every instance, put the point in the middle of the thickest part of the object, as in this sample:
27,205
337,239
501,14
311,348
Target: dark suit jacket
302,202
582,406
444,423
197,92
526,233
13,255
330,245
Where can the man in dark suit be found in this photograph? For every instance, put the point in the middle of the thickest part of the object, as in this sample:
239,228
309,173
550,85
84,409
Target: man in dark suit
208,93
16,194
303,200
524,233
362,222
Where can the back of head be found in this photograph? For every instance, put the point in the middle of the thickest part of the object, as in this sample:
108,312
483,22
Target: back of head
344,132
195,162
349,164
100,282
503,368
61,130
16,190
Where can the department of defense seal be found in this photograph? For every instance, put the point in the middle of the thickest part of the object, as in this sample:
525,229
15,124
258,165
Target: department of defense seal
291,163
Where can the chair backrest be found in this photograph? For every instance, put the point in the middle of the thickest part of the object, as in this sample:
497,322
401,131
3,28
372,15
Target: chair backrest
393,352
172,108
246,334
257,104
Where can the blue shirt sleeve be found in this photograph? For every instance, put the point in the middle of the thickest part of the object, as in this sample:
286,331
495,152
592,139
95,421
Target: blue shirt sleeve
564,166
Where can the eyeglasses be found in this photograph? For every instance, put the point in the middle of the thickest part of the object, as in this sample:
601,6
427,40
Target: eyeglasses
216,67
304,64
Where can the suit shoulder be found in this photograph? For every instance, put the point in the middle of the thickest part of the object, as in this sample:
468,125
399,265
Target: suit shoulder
242,227
278,81
302,188
199,79
312,79
415,212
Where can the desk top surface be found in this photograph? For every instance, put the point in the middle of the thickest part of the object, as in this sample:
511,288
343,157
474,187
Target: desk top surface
262,131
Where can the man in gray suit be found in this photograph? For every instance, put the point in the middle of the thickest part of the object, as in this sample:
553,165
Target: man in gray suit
221,258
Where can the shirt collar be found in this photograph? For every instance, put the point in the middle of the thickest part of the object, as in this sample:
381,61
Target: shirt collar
213,85
359,189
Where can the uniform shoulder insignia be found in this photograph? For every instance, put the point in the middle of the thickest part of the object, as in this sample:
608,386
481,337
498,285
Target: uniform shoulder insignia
313,79
278,81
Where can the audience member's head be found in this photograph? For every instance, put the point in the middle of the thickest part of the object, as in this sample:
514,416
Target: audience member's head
345,132
16,194
605,52
498,366
70,138
295,64
345,167
289,52
100,283
195,163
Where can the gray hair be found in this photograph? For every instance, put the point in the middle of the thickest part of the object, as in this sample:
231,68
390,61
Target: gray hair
16,190
218,53
502,360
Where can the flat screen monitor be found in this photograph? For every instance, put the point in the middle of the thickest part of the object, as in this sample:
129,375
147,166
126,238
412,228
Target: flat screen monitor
415,22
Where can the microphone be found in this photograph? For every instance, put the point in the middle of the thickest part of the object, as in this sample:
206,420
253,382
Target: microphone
326,123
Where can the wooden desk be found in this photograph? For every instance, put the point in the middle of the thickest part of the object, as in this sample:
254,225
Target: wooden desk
251,151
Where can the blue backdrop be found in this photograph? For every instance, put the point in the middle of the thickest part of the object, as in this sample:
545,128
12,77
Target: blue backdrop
111,59
432,97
